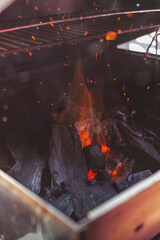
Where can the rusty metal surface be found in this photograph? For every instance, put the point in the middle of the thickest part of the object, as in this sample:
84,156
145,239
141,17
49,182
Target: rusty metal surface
24,214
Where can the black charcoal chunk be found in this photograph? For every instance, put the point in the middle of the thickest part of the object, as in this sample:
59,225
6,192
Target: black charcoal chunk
29,163
95,159
132,179
63,203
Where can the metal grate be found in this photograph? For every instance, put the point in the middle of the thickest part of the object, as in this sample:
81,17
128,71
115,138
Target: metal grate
31,36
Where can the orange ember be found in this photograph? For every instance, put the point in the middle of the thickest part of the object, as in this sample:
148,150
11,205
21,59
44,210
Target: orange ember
85,140
85,34
101,40
104,149
115,175
111,36
130,15
91,175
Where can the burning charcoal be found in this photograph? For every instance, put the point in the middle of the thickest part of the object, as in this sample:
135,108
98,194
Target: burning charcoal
29,163
132,179
116,137
95,159
67,165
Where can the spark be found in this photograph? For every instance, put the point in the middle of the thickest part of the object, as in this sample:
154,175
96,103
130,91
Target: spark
101,40
85,34
36,8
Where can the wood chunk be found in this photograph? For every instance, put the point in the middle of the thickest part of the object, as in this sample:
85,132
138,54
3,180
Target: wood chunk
68,167
95,159
142,150
29,163
132,179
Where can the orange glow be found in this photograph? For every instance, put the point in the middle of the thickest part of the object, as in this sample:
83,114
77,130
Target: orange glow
36,8
68,28
85,34
108,65
85,140
101,40
81,18
115,175
111,36
104,148
30,54
130,15
119,31
33,37
84,111
148,87
114,79
118,18
52,25
91,175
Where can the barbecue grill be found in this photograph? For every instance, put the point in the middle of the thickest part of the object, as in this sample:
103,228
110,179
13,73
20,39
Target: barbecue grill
37,64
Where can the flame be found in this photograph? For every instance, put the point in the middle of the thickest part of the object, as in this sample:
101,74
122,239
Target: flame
104,148
91,175
83,110
116,174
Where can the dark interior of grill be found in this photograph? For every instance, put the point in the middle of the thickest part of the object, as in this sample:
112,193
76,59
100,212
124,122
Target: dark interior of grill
79,117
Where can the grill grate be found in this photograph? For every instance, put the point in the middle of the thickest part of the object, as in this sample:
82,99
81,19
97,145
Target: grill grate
32,36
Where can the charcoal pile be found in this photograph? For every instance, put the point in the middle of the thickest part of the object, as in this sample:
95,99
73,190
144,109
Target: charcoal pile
76,178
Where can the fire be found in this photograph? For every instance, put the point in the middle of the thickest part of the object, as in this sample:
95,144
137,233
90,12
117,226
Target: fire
91,175
116,174
104,149
85,140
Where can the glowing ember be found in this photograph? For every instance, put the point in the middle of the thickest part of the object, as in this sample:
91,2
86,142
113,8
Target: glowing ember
130,15
101,40
111,36
85,34
104,149
91,175
85,140
116,174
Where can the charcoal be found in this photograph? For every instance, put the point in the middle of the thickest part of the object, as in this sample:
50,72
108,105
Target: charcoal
63,203
116,136
68,169
144,151
95,159
6,159
132,179
118,115
29,163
